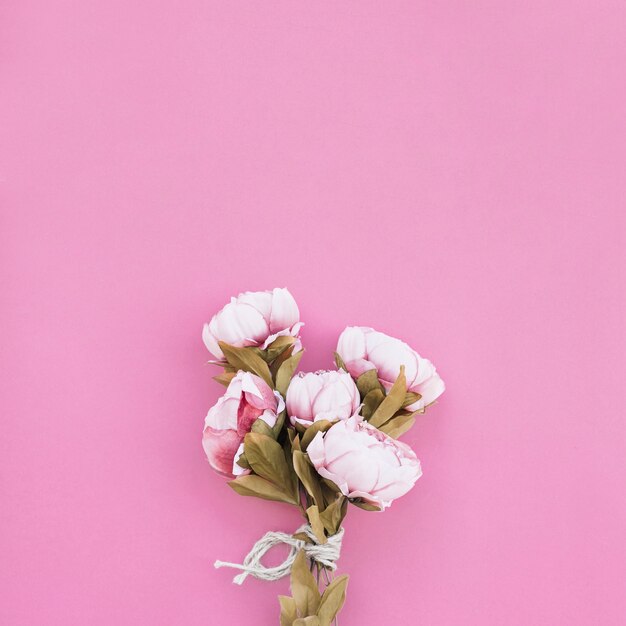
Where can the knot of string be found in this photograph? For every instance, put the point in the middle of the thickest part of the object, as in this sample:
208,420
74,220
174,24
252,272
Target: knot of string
325,554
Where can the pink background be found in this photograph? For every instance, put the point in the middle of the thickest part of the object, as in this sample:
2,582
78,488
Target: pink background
449,172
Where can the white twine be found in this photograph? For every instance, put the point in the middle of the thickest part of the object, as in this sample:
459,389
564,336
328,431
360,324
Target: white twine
324,553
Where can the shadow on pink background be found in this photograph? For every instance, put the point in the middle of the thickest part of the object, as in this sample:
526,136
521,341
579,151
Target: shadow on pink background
449,172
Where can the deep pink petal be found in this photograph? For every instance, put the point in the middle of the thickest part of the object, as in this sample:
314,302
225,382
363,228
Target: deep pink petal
220,447
247,414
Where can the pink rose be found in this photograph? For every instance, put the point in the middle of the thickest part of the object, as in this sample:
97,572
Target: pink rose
324,395
247,399
364,462
364,349
253,319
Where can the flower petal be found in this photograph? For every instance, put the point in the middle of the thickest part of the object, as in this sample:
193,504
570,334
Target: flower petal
351,344
220,447
285,311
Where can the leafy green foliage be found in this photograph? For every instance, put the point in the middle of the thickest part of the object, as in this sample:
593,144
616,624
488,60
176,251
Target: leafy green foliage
307,607
248,360
392,402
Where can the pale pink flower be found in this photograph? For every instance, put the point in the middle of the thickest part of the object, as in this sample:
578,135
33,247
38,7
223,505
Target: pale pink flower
364,349
253,319
364,462
247,398
323,395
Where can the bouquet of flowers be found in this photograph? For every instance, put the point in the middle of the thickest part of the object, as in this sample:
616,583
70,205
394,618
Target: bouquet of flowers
317,441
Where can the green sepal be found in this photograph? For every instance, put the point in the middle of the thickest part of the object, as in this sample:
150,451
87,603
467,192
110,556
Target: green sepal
368,381
277,347
339,362
243,462
248,360
224,378
300,428
294,438
312,430
280,359
330,490
260,426
286,371
371,402
366,506
410,398
278,426
392,402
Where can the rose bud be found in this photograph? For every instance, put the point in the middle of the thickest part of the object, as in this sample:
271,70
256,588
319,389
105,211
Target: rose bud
247,399
364,462
323,395
253,319
364,349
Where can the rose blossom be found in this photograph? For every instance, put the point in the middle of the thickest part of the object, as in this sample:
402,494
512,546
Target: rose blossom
364,349
364,462
253,319
247,399
323,395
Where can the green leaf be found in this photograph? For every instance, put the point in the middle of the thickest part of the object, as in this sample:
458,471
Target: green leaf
366,506
331,485
303,586
332,600
278,346
368,381
260,426
251,485
243,462
294,438
224,378
280,359
392,402
285,372
330,491
313,514
248,360
339,362
332,516
371,402
288,447
397,426
267,459
311,620
278,426
288,454
312,430
288,611
309,477
300,428
410,398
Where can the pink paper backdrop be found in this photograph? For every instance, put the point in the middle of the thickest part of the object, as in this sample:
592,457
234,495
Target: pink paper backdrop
449,172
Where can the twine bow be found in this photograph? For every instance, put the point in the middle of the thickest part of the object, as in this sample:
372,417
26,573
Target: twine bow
325,554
